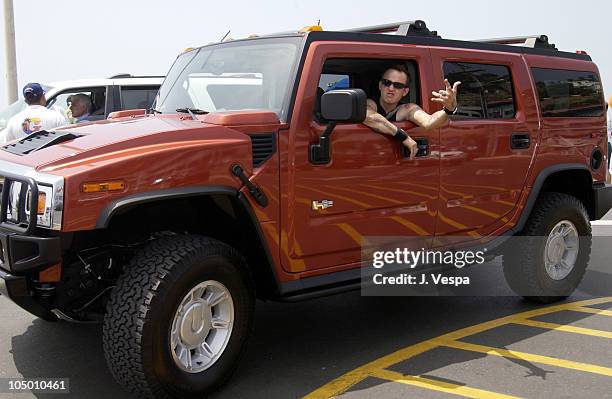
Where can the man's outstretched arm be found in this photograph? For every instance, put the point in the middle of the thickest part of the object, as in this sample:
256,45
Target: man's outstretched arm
414,113
380,124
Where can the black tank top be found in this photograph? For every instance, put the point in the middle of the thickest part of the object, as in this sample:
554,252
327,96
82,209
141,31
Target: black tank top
390,116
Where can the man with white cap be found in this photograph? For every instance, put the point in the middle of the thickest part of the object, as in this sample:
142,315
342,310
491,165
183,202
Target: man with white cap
35,117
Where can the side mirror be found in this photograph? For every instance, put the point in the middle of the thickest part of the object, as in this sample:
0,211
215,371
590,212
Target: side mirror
347,106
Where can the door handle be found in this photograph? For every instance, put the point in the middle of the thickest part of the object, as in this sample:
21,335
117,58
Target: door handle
422,148
520,141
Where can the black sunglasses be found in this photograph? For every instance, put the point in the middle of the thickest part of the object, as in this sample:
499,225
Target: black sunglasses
396,85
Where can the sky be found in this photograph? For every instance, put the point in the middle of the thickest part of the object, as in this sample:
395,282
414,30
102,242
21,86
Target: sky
68,39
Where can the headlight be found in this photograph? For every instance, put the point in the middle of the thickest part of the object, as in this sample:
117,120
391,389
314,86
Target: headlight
48,206
41,205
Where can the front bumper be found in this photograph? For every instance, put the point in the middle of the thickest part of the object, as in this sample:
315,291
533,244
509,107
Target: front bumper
25,253
602,197
16,289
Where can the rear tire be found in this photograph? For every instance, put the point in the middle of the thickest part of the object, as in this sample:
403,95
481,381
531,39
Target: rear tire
165,289
549,261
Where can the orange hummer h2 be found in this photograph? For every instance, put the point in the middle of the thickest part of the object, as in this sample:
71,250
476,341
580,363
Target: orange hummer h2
253,177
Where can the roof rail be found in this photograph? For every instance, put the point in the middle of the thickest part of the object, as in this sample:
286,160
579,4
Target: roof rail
121,75
405,28
534,41
128,75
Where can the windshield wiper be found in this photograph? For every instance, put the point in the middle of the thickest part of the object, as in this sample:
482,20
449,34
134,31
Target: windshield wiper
192,111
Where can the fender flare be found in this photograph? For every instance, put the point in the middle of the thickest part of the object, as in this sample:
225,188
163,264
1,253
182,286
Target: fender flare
537,187
161,195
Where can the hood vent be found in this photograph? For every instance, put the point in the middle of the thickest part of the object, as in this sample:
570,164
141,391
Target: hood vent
39,140
264,145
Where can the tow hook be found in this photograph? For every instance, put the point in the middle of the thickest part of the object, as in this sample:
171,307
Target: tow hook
257,194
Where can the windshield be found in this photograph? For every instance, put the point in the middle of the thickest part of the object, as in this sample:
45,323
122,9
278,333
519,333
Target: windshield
14,109
254,74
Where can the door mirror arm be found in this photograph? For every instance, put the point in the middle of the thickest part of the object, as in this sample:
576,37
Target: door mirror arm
346,105
320,154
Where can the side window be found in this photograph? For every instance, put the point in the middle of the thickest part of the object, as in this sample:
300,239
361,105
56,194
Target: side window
96,95
365,74
568,93
485,91
138,97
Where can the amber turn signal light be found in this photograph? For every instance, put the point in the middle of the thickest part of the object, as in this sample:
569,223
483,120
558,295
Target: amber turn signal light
42,200
103,186
311,28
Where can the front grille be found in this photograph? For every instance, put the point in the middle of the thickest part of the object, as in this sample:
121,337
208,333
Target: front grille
263,145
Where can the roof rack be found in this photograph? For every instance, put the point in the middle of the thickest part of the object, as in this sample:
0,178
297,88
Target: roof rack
534,41
405,28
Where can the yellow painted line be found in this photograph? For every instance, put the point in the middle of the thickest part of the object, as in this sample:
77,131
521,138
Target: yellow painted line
463,195
344,382
478,186
400,191
561,327
452,222
583,309
347,380
295,265
417,229
465,332
440,386
482,211
529,357
354,234
423,186
457,225
380,197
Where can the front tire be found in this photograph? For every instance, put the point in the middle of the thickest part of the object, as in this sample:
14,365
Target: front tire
179,318
550,257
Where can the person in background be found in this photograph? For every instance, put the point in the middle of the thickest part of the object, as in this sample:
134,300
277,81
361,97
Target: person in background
35,117
80,107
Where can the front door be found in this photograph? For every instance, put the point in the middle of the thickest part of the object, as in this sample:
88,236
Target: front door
329,212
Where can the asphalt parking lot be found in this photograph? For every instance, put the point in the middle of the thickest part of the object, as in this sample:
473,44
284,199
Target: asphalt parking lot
362,347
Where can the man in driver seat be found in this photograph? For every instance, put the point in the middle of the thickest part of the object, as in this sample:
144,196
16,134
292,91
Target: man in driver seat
393,86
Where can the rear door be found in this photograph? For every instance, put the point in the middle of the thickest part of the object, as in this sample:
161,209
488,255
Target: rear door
487,148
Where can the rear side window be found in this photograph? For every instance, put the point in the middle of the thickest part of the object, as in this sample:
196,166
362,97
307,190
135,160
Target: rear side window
138,97
568,93
485,91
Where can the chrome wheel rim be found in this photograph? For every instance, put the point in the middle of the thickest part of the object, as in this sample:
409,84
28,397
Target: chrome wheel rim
561,250
202,326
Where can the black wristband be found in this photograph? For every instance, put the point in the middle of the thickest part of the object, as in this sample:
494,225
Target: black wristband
449,112
400,135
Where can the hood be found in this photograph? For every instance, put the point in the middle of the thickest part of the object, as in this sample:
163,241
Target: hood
111,138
